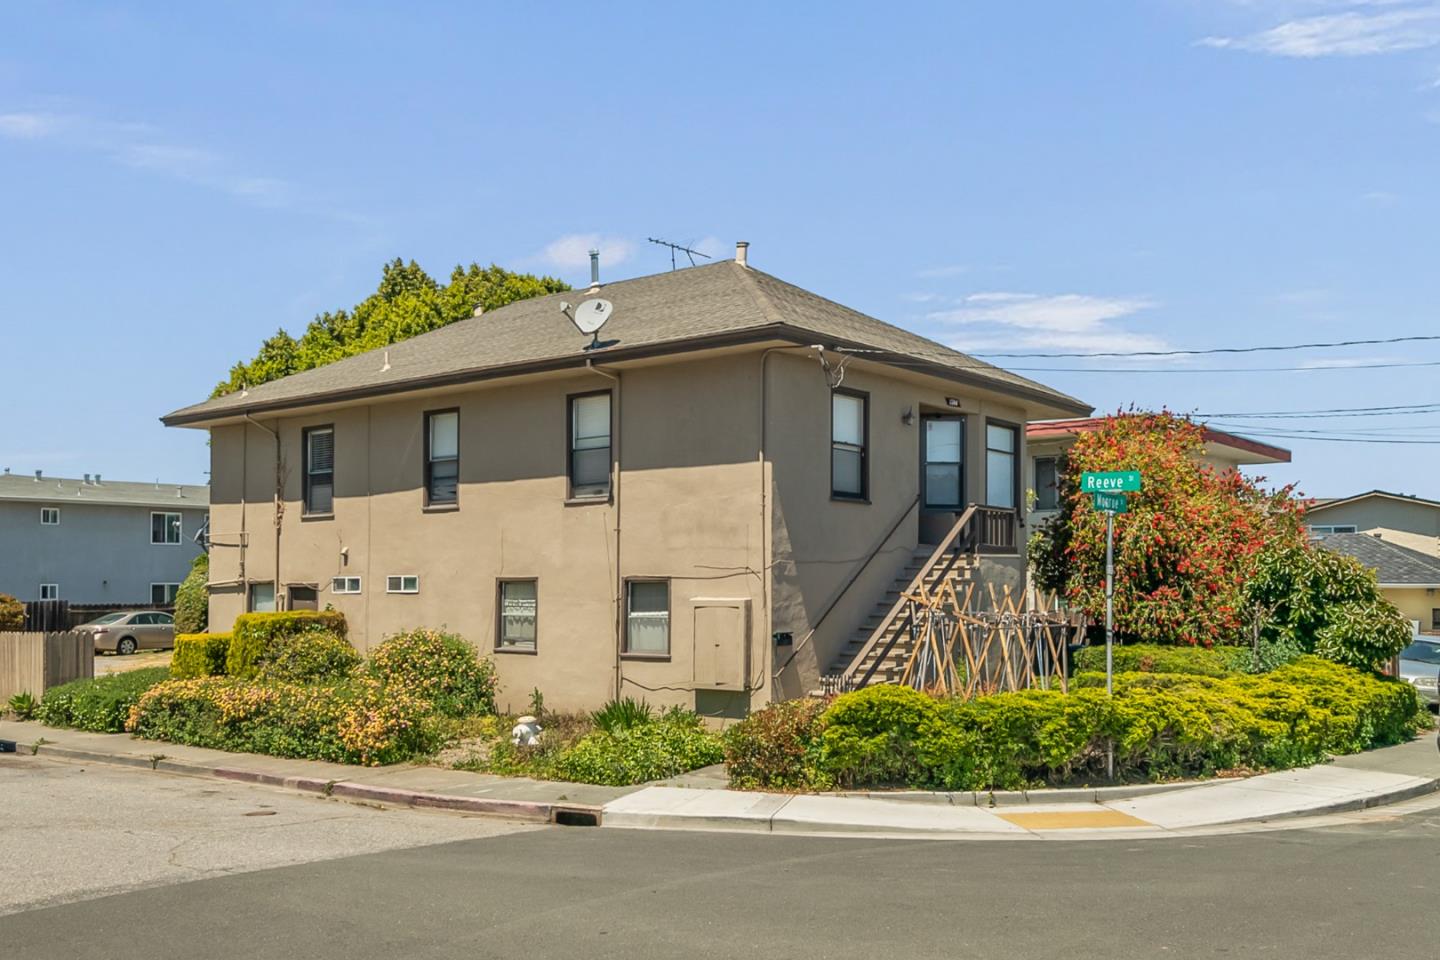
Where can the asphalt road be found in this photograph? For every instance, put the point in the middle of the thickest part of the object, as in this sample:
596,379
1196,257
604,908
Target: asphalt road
1361,890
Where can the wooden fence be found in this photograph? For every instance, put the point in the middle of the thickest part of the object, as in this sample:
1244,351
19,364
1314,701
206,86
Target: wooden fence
34,662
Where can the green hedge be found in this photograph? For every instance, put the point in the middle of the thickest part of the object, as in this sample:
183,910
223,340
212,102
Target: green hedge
255,634
199,655
1162,725
1158,658
442,667
192,599
101,705
357,721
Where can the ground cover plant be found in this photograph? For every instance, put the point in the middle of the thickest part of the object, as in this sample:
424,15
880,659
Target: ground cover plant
100,705
1163,726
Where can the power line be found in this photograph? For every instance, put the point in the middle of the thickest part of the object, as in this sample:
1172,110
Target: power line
1187,353
950,360
1397,410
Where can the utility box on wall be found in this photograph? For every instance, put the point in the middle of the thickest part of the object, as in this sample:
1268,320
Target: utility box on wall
722,643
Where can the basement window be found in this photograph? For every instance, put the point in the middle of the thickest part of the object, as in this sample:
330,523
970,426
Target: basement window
406,583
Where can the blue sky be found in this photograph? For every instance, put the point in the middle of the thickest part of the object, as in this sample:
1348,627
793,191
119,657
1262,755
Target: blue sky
178,180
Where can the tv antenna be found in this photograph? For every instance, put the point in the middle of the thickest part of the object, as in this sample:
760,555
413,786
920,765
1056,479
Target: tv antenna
589,317
692,254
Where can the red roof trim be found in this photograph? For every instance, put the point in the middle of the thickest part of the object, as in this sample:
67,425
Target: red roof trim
1065,428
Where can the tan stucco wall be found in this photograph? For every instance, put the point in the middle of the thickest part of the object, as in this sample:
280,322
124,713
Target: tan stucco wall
689,509
1413,525
820,542
1415,603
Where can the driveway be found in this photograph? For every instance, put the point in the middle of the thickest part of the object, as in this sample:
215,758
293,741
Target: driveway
108,663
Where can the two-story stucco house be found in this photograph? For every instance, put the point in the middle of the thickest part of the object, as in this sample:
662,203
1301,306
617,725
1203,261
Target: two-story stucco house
702,506
95,541
1410,521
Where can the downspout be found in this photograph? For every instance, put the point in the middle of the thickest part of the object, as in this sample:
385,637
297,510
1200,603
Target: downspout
619,574
279,500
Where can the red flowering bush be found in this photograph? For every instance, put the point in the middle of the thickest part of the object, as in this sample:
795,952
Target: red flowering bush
1184,549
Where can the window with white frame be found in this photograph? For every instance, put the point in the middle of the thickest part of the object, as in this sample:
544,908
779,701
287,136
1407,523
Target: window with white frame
1321,529
163,594
165,528
442,457
519,609
406,583
49,591
590,445
49,516
647,618
345,585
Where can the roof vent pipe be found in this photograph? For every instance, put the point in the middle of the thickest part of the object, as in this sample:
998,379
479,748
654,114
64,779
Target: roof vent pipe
742,252
97,479
594,269
37,476
87,479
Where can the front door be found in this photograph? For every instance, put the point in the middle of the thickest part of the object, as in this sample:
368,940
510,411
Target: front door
942,475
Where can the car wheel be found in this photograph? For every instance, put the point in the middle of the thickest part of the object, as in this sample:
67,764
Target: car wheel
126,646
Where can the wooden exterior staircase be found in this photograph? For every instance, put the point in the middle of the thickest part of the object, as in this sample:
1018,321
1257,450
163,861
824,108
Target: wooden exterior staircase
882,645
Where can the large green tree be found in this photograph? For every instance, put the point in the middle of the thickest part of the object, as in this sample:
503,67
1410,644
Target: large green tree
407,303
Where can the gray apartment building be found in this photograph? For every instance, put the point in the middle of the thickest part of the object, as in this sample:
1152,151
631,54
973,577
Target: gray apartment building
96,541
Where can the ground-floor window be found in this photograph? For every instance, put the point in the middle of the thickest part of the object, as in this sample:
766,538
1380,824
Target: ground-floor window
262,598
647,618
303,597
519,611
163,594
345,585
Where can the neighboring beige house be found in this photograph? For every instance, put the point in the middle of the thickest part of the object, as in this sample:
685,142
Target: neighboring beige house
701,508
1408,578
1048,442
1412,522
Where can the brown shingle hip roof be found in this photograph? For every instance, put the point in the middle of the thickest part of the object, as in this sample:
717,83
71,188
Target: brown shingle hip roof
692,309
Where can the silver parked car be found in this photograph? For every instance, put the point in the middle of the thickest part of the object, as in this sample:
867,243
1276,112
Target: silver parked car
1420,665
125,633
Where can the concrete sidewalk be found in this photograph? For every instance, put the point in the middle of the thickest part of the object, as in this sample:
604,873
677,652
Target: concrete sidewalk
1356,782
701,803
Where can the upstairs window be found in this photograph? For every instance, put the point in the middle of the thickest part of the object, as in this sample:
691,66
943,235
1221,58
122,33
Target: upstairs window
49,591
1322,529
165,528
319,443
1047,483
442,457
49,516
849,436
1001,482
590,445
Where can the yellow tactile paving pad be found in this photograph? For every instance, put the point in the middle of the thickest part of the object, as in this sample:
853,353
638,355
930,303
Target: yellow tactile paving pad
1073,820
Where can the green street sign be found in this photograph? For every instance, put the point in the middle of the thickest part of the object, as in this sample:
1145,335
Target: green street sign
1110,502
1113,481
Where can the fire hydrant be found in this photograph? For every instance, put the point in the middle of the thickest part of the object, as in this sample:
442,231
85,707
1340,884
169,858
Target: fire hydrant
526,732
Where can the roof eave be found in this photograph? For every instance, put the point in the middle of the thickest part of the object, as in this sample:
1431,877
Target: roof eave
782,331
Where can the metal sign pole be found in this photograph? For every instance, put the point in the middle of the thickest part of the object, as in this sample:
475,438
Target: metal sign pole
1110,627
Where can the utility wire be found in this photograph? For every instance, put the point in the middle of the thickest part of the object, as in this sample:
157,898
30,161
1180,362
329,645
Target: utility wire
916,358
1401,410
1186,353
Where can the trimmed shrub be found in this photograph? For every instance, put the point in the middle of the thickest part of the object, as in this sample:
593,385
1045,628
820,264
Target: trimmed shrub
777,748
199,655
441,667
101,705
12,613
192,599
256,633
309,657
675,743
358,721
1157,658
1163,726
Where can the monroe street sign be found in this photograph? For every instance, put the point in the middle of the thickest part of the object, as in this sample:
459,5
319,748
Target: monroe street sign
1113,481
1110,502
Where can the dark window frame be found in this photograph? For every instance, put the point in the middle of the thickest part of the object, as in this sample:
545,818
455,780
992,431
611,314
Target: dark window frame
864,495
625,652
306,477
1016,493
500,646
570,494
925,461
429,465
250,596
1058,467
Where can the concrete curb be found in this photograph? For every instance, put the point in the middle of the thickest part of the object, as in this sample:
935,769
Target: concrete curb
1020,798
525,811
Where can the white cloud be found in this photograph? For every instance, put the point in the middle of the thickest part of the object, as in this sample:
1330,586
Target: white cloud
1359,31
572,251
1056,322
935,273
139,146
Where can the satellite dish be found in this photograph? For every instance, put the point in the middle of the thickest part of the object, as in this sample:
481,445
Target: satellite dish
591,315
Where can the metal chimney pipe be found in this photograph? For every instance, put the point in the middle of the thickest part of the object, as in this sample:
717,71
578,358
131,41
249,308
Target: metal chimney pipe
37,476
87,479
742,252
594,268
